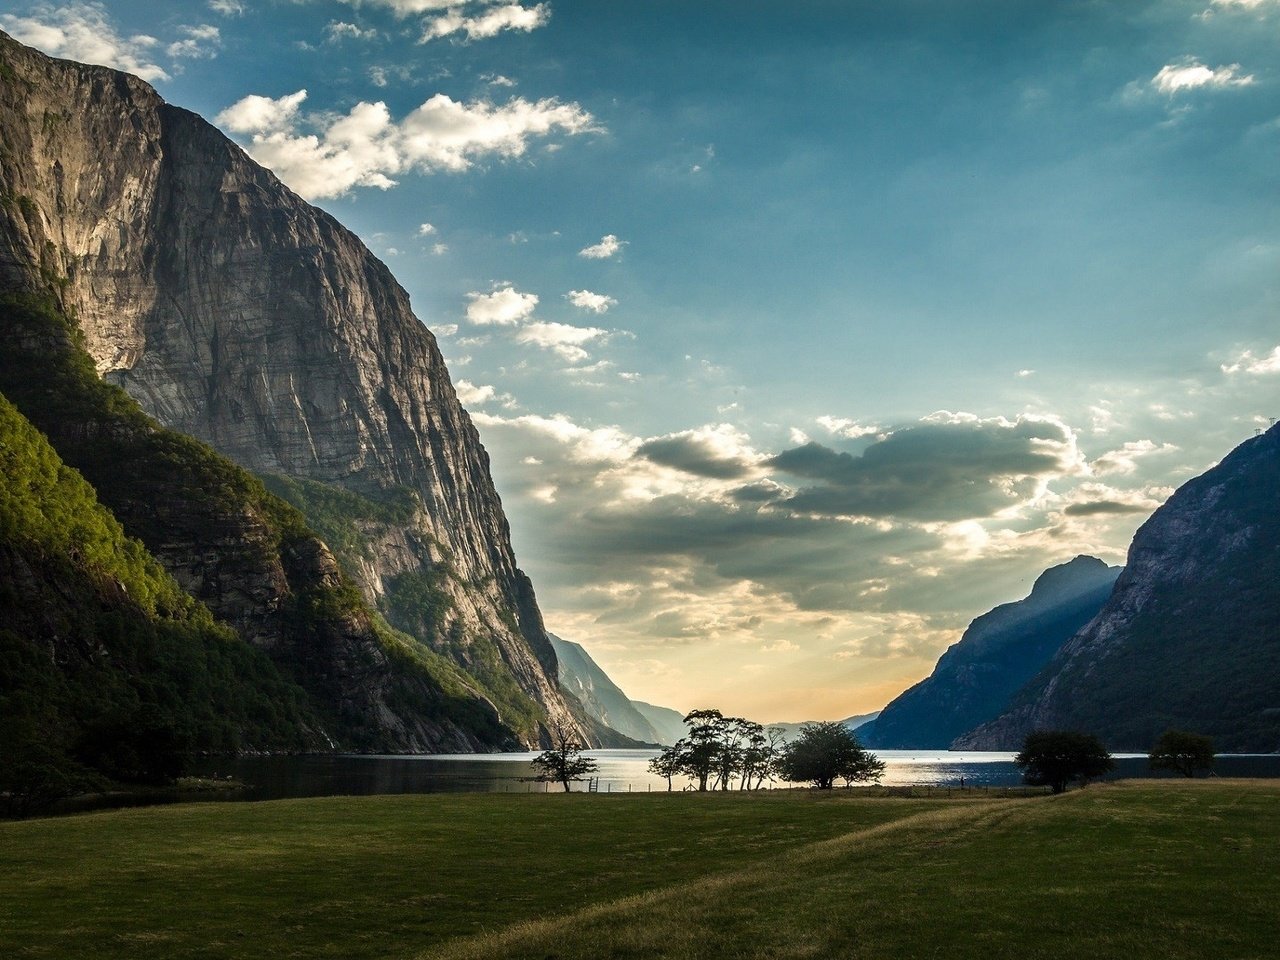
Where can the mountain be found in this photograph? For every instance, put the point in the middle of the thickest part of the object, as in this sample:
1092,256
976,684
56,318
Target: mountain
1190,637
999,652
667,722
857,723
108,664
600,696
237,314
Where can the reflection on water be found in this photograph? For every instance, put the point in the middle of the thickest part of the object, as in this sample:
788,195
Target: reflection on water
620,771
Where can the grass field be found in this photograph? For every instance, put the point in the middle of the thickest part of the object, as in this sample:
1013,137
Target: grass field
1138,869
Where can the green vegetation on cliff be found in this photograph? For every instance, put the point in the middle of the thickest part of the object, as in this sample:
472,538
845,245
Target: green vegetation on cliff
246,553
1179,869
106,664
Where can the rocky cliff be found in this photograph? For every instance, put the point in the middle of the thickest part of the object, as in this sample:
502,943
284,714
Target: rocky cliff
999,652
600,697
235,312
1190,637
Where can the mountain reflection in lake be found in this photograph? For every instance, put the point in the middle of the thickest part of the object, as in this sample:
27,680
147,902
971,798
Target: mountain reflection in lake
620,771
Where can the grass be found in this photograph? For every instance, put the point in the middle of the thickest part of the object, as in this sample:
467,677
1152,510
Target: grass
1159,868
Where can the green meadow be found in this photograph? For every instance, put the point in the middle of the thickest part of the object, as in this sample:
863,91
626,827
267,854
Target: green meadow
1136,869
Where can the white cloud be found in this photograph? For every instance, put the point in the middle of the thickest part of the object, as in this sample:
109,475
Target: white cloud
339,30
439,249
849,429
562,338
405,8
200,43
1190,74
505,306
367,147
445,329
606,248
469,394
586,300
426,229
378,76
82,31
1247,363
228,8
488,23
1125,460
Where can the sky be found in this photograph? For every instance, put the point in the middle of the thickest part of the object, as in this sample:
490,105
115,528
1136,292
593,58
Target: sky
799,334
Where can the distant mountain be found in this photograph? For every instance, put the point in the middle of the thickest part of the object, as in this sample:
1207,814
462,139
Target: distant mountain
600,697
999,652
1190,637
669,723
791,730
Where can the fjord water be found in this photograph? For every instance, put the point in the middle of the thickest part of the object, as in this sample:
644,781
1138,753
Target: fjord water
620,771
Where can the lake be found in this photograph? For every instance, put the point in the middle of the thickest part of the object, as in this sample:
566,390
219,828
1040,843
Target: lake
620,771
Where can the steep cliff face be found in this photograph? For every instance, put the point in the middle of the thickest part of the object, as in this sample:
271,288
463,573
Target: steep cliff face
600,697
235,312
999,652
1190,637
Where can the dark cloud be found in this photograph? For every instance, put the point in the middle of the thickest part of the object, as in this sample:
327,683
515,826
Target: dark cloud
935,471
1097,507
693,455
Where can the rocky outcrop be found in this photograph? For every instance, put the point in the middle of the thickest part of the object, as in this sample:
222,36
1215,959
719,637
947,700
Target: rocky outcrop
999,652
235,312
1190,637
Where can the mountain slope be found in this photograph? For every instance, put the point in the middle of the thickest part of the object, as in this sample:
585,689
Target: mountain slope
241,551
235,312
668,723
106,661
599,695
998,653
1190,637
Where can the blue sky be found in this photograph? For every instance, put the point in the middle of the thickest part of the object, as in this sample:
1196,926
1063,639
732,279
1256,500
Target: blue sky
850,317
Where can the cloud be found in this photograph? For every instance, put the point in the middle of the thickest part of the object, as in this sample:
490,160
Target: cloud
951,467
1191,74
425,229
1251,365
505,307
200,43
563,339
488,23
228,8
720,452
82,31
469,394
367,147
586,300
338,30
1125,459
439,249
606,248
849,429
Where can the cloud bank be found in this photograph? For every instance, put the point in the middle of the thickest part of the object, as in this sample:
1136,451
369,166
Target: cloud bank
368,148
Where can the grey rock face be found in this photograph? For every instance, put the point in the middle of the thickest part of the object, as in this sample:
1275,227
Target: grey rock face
1190,637
237,313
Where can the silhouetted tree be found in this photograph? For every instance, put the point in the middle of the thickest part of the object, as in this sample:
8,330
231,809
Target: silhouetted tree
824,752
1054,758
564,762
667,764
1182,752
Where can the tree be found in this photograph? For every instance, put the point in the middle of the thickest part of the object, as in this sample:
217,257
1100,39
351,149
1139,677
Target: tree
824,752
667,764
1054,758
564,762
1182,752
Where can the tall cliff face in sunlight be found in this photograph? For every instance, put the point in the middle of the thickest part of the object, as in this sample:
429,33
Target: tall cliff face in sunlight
235,312
1190,637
